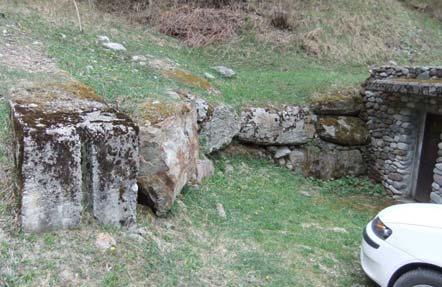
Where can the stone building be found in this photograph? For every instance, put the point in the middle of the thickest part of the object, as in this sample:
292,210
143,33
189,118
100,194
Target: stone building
404,117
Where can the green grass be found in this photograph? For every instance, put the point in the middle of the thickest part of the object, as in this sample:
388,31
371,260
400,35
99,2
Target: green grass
274,76
279,230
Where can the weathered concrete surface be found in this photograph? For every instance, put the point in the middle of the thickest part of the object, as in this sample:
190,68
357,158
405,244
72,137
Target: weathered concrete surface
218,131
73,154
342,130
168,150
268,126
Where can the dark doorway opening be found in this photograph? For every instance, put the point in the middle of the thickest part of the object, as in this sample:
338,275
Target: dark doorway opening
428,157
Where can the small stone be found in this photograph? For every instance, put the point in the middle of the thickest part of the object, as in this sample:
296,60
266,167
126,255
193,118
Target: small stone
204,169
424,76
105,241
282,152
228,168
438,179
402,146
139,58
114,46
67,278
103,38
436,198
221,211
209,76
224,71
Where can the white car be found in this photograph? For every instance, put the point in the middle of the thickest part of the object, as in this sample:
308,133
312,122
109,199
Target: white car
402,246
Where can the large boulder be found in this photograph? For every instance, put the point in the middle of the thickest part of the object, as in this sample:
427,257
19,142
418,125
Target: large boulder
340,104
342,130
218,131
73,154
168,150
328,164
290,125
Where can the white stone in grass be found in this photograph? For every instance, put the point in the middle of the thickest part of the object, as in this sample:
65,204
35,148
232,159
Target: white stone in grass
138,58
221,211
114,46
224,71
102,38
209,76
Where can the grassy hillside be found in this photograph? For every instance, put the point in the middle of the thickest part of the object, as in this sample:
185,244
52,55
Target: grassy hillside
330,46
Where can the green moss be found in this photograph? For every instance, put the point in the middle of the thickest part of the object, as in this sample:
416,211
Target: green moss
188,79
155,111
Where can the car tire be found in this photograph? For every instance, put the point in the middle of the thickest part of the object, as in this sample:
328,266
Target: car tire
418,277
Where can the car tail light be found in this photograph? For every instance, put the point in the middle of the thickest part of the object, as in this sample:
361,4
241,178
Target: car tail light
380,229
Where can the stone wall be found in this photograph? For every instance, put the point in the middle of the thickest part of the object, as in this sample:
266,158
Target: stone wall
326,139
396,100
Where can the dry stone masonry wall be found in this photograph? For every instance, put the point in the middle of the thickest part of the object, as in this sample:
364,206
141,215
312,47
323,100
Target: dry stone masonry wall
397,100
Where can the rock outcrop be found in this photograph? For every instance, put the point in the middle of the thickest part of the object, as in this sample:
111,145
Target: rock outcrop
168,150
290,125
219,129
73,154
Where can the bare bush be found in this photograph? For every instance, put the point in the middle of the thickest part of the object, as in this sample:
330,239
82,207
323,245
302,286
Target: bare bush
200,26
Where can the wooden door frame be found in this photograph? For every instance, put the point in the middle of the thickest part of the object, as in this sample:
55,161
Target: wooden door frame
422,118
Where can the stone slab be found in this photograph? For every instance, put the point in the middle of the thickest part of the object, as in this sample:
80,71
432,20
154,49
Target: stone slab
73,154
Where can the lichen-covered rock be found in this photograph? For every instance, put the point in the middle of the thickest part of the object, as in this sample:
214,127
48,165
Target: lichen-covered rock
73,154
342,130
218,131
168,150
338,104
327,165
291,125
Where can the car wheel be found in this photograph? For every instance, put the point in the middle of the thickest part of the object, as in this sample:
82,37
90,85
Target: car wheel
420,278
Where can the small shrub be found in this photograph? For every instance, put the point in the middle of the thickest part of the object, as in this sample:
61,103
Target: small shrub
200,26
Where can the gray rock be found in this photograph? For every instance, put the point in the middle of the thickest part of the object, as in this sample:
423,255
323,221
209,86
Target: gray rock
348,105
202,109
282,152
424,76
221,211
332,164
139,58
104,241
218,131
204,169
74,154
209,76
224,71
168,150
290,125
103,38
114,46
342,130
297,158
436,198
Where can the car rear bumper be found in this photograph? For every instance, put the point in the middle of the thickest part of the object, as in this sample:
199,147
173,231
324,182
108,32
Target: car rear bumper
379,259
